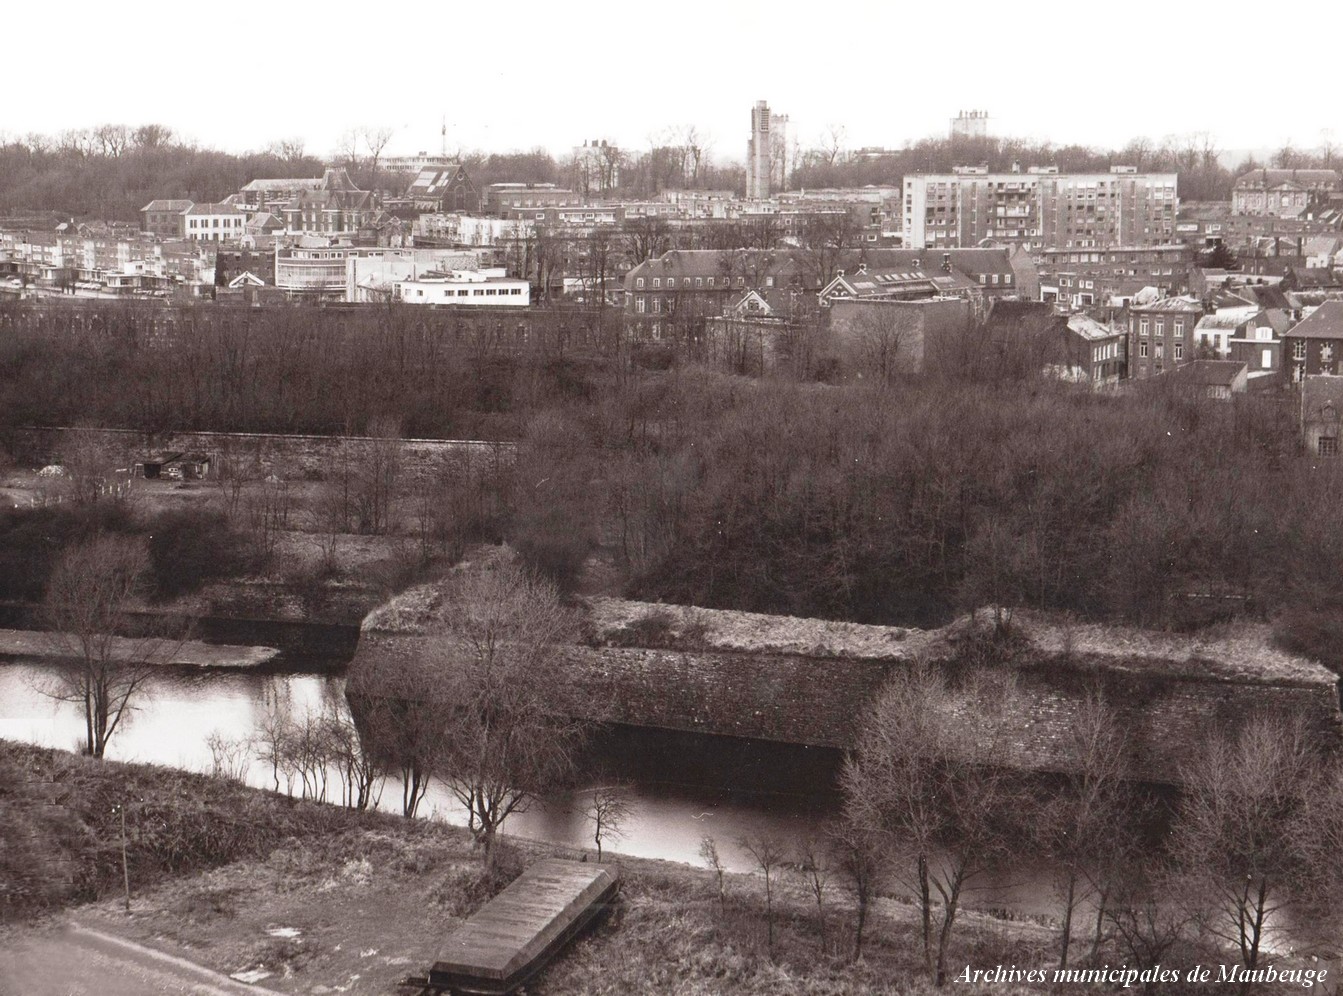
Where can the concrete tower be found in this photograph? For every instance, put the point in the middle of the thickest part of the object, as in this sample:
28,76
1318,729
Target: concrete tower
757,153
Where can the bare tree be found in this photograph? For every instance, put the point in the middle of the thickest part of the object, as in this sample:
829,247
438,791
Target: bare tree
813,865
1088,822
928,779
90,471
768,853
881,337
1243,795
708,853
151,136
376,140
113,139
484,709
861,860
229,756
607,811
90,595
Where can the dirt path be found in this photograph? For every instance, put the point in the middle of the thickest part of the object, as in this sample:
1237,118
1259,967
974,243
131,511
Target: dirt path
71,960
30,643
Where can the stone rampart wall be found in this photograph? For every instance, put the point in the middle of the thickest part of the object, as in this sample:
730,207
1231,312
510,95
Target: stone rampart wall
819,701
288,457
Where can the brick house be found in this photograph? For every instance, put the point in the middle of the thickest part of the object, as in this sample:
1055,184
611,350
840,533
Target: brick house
165,218
1321,406
1161,335
674,293
1315,344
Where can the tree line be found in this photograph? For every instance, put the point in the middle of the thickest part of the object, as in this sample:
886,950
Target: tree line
894,498
110,171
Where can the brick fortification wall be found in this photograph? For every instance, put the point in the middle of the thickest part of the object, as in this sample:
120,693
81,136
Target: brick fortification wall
261,455
818,699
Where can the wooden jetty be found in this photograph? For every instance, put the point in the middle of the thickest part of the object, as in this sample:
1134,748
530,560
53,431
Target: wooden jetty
516,934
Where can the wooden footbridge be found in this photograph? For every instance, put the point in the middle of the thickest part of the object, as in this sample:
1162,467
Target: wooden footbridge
516,934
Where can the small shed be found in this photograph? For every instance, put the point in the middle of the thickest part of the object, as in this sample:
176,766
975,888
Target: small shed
176,465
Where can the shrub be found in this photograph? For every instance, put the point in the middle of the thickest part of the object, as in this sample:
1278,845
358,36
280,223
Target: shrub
189,547
1313,632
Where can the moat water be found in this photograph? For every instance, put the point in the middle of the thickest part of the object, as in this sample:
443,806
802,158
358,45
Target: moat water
681,788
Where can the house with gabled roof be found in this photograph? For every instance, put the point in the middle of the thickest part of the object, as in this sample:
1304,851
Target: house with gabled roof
1315,344
446,189
223,222
337,206
1218,379
675,292
164,217
273,194
1282,193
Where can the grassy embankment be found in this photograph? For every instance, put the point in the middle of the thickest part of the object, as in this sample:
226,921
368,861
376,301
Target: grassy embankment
217,870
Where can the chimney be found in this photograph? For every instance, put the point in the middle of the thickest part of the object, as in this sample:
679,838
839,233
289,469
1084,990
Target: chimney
946,262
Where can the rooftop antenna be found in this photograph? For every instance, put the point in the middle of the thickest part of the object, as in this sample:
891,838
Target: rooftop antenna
443,149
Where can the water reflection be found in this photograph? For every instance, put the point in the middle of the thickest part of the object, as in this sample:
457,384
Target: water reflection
179,710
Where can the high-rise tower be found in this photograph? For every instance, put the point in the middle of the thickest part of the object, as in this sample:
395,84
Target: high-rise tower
757,153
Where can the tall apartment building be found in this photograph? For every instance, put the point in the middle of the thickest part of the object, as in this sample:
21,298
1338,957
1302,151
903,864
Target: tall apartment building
758,153
1041,208
970,124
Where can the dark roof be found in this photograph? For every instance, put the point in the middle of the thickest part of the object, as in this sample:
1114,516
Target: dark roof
1318,390
162,204
1209,373
213,209
1264,178
971,262
1325,322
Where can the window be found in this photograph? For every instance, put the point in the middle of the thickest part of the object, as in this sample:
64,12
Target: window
1266,361
639,283
657,305
1142,349
1177,328
1142,326
1160,327
657,283
1299,349
1179,351
1160,351
639,305
671,283
1328,446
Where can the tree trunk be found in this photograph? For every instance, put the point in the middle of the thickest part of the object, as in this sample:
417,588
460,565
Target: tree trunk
926,913
1067,921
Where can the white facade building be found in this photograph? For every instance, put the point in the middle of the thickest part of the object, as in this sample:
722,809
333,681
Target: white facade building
214,223
465,288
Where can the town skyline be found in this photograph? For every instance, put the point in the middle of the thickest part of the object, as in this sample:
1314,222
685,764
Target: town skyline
502,97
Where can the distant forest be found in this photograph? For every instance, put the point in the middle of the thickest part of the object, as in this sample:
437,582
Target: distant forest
111,171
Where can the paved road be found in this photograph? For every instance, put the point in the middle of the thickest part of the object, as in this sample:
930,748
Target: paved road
75,961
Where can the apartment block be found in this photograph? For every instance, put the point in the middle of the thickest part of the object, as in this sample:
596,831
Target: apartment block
1041,208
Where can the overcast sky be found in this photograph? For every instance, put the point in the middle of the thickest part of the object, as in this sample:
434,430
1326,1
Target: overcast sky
242,74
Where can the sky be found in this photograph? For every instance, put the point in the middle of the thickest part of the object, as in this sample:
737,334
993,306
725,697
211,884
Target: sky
244,74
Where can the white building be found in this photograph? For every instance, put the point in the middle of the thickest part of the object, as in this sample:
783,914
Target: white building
358,273
468,230
214,223
465,288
